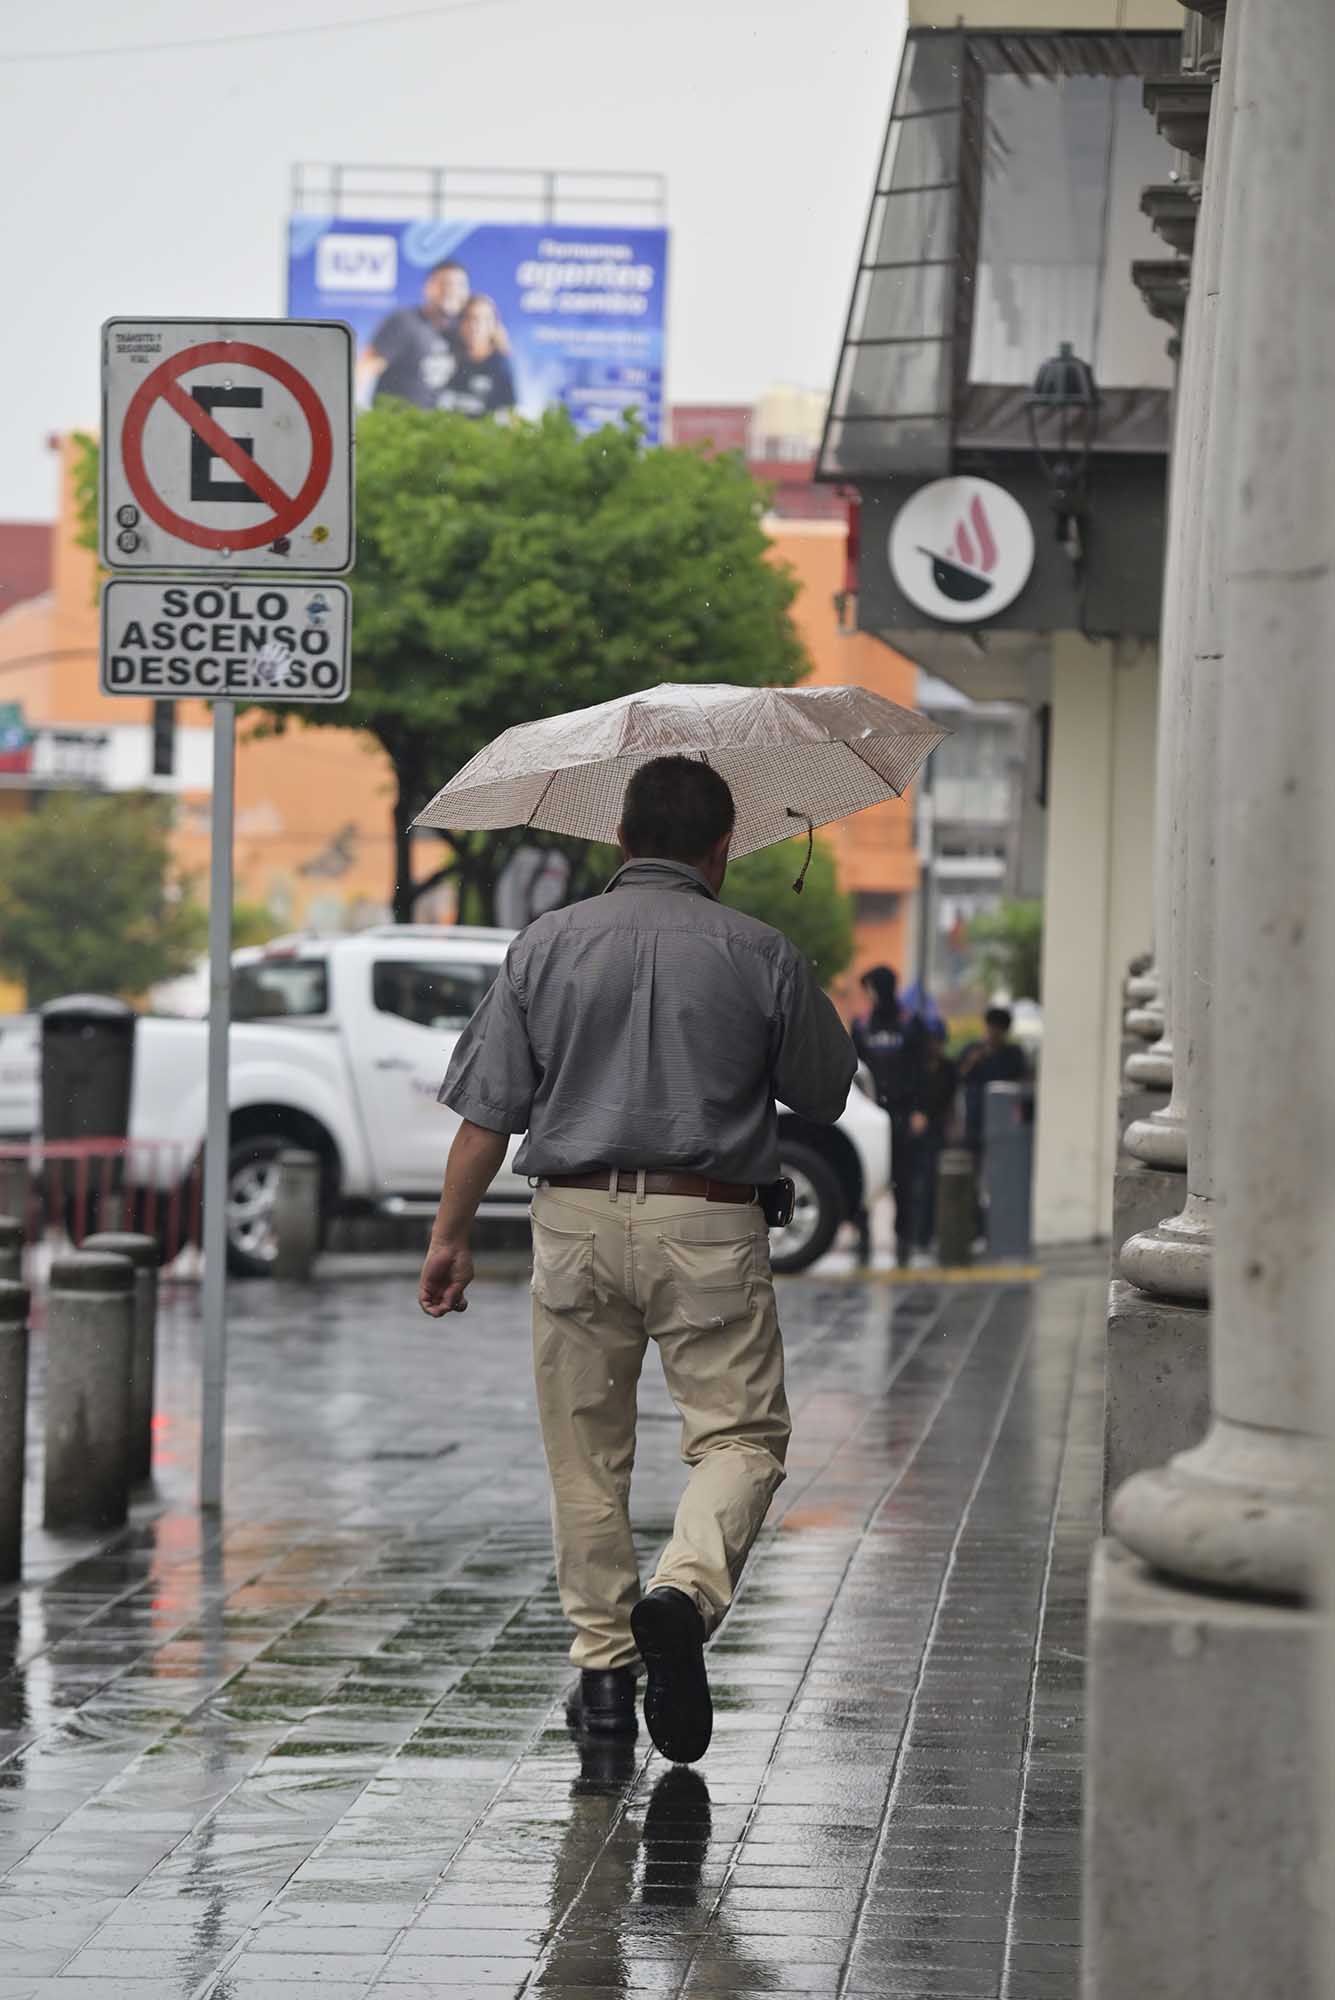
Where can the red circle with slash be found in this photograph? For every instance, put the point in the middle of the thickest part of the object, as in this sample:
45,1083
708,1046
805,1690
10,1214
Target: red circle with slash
164,384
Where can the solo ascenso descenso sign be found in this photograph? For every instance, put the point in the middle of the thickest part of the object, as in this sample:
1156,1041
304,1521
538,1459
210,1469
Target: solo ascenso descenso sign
247,641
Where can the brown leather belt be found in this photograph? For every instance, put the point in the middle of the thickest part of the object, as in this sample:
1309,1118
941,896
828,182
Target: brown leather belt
628,1183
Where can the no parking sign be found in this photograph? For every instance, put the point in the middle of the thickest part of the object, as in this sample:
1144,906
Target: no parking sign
227,445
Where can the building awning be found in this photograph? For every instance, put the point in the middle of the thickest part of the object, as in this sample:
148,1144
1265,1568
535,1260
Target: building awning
1005,218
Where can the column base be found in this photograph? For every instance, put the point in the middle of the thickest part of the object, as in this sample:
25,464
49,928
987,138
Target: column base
1142,1197
1158,1393
1135,1104
1151,1068
1160,1140
1147,1022
1174,1259
1142,988
1202,1855
1244,1511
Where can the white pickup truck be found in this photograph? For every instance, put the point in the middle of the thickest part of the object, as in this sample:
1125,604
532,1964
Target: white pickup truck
339,1046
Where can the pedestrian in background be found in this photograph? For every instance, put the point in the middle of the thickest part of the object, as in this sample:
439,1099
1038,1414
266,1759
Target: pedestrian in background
640,1039
939,1092
893,1045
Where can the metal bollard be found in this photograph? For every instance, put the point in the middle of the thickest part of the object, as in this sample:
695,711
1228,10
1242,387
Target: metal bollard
1008,1168
15,1188
296,1214
956,1207
11,1249
90,1345
13,1422
142,1252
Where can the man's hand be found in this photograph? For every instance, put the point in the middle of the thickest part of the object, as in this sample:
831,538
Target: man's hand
475,1159
446,1276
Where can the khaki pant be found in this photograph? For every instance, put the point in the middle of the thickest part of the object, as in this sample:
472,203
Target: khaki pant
610,1274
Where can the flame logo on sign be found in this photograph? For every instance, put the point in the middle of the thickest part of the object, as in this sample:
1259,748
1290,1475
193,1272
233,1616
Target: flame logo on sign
964,572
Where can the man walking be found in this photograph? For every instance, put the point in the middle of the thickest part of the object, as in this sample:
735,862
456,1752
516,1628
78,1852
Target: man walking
640,1039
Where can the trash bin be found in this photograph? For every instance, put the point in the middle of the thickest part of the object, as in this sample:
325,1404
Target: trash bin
1008,1168
87,1070
87,1067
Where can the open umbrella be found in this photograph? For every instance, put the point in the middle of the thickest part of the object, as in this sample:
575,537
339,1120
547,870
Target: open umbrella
795,759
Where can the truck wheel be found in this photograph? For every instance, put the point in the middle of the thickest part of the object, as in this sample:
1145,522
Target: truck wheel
252,1184
817,1211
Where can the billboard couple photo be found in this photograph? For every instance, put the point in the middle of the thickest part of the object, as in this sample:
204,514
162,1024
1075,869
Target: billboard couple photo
448,352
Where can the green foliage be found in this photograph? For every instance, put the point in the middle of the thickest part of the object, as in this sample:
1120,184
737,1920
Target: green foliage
1009,941
819,921
85,489
88,902
254,923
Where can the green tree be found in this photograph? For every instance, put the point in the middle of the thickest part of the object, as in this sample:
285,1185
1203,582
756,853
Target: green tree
88,898
819,921
254,923
507,572
1009,942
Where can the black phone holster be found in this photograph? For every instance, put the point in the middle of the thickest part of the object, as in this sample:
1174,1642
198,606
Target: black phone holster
776,1201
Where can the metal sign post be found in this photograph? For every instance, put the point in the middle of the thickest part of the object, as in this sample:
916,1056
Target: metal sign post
217,1142
226,447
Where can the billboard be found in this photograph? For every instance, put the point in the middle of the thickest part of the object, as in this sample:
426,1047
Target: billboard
492,317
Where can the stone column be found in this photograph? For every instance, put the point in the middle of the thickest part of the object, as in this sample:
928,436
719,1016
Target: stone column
1208,1885
1251,1494
1158,1331
1160,1141
1172,1260
1152,1068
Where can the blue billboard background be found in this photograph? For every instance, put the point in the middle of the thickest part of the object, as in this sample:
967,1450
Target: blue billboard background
578,321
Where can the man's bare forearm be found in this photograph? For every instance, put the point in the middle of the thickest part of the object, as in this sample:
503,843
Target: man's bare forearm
476,1157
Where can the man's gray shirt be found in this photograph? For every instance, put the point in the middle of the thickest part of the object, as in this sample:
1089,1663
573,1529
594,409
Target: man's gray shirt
651,1027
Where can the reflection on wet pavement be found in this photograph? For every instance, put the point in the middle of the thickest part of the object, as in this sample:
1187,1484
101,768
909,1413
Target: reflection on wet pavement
319,1749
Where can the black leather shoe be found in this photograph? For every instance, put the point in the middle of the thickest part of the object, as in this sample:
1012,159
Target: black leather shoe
678,1712
602,1702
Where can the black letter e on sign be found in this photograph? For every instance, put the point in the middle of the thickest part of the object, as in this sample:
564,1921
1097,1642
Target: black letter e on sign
203,486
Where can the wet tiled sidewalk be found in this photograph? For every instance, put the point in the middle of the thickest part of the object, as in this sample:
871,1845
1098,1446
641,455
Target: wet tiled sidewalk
319,1752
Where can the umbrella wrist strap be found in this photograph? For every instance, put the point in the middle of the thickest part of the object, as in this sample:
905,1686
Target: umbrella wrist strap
811,848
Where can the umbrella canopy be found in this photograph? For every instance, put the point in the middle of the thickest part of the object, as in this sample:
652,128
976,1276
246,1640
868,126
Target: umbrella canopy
793,757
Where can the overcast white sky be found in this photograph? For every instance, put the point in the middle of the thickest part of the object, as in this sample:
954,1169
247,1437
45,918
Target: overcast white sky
158,182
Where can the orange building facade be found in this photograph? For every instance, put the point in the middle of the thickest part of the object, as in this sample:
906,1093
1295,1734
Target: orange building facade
313,806
875,850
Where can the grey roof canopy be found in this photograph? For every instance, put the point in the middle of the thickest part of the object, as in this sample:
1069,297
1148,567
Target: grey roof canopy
1006,198
792,756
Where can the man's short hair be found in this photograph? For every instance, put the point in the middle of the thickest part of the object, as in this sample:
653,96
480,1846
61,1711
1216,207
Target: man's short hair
447,264
999,1017
676,809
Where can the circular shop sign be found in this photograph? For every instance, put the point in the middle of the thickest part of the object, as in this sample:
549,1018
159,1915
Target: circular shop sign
961,549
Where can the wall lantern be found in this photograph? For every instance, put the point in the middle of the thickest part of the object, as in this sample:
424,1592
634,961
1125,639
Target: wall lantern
1063,413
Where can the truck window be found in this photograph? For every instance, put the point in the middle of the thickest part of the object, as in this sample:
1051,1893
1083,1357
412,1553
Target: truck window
280,989
433,996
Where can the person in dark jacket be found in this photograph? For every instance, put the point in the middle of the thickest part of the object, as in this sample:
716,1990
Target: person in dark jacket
940,1086
893,1046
